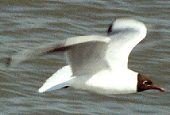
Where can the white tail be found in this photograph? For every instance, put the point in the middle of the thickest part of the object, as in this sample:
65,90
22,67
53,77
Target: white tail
58,80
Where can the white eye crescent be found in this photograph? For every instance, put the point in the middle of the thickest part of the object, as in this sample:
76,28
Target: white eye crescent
147,82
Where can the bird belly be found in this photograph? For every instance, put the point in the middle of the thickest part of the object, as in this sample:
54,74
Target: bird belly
103,82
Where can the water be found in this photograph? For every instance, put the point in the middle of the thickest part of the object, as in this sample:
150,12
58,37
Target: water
27,24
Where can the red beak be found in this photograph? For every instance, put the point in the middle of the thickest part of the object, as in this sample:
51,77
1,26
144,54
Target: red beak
156,87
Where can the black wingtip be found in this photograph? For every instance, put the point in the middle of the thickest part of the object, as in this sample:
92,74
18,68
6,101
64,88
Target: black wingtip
110,28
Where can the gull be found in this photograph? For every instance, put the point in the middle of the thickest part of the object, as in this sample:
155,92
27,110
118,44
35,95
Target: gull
96,63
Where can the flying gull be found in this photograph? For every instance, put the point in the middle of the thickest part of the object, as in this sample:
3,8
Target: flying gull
96,63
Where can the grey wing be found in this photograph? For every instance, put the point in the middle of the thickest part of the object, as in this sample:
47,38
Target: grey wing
60,45
88,58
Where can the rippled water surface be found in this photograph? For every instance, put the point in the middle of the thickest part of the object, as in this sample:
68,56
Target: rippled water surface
27,24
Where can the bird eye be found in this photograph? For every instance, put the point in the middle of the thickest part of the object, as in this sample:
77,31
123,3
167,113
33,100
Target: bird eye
147,82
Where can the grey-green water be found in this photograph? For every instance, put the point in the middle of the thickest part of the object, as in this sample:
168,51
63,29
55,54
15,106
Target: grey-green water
27,24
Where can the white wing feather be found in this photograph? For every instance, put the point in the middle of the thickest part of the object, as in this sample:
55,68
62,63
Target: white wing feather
58,80
127,33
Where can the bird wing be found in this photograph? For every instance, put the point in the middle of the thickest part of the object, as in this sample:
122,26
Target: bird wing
90,54
60,45
90,58
125,34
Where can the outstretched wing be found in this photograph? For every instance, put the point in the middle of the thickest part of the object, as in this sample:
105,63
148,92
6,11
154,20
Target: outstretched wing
60,45
89,54
125,34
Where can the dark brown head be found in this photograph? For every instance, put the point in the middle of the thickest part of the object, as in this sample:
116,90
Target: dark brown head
146,84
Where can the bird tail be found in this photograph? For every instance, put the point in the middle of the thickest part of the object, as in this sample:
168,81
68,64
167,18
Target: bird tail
58,80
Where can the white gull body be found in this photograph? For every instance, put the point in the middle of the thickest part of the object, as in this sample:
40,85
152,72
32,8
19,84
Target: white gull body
96,63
